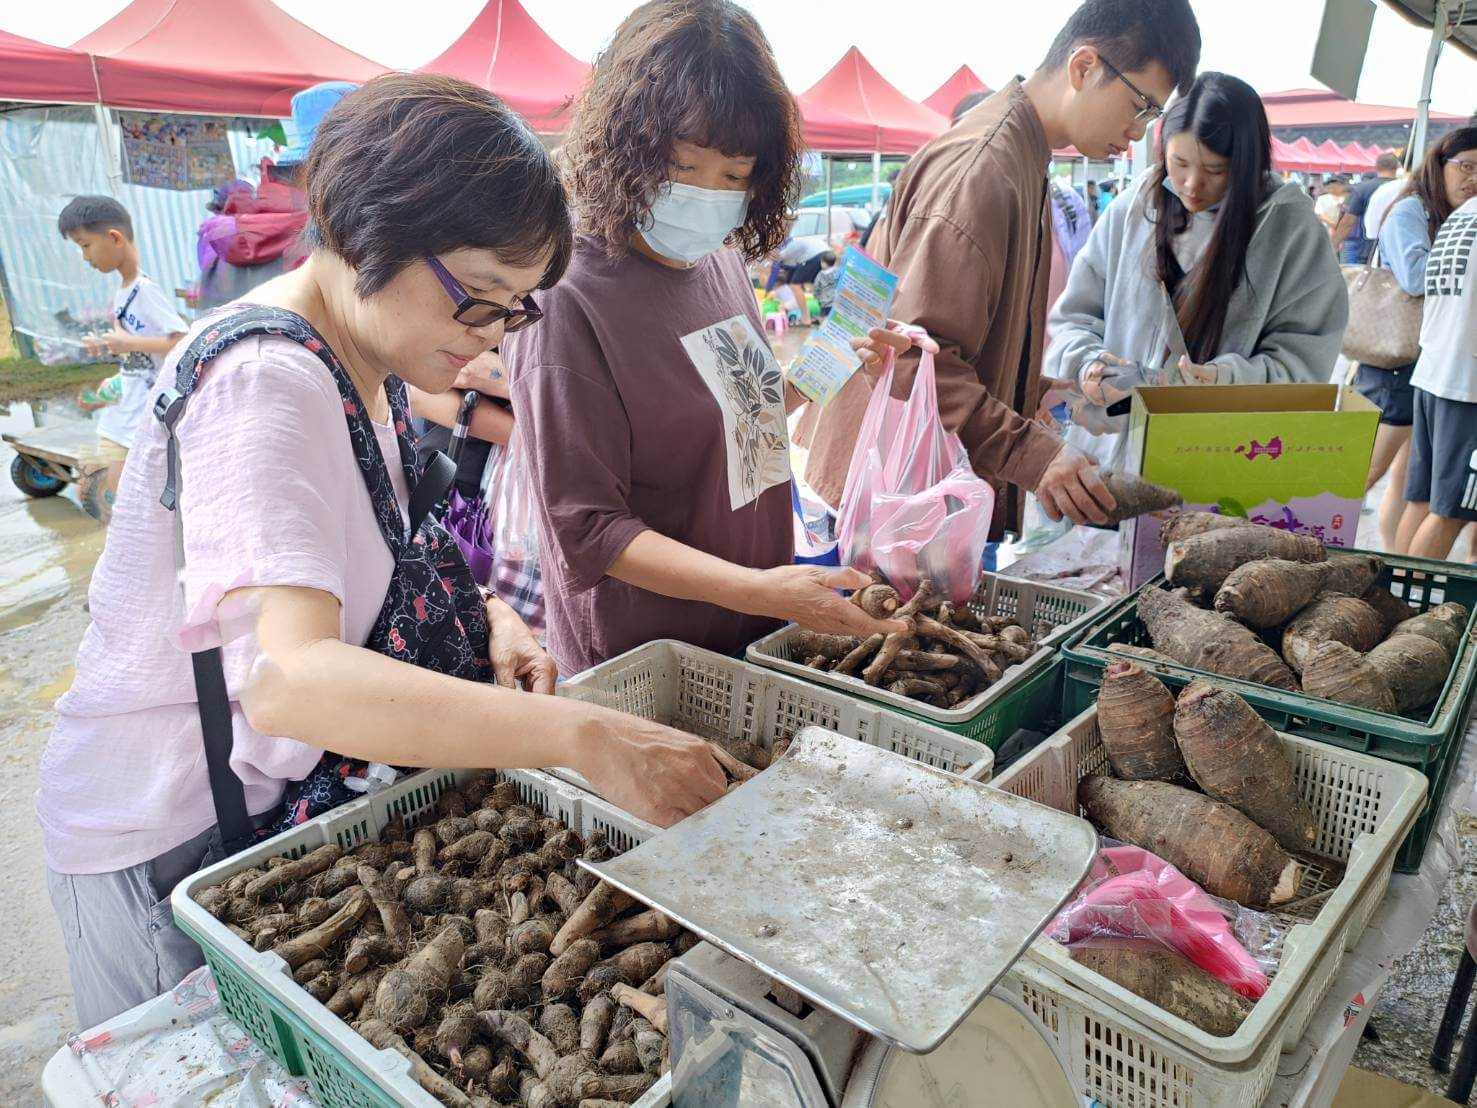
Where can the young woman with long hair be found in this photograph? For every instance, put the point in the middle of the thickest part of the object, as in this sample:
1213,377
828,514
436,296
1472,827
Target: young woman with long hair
1209,270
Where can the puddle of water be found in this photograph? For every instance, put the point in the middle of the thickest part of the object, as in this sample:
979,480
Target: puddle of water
48,546
49,694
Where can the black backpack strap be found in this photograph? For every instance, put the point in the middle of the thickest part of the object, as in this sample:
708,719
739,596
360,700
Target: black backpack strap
233,822
436,480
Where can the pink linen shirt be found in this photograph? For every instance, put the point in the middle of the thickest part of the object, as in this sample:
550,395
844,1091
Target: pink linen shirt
271,495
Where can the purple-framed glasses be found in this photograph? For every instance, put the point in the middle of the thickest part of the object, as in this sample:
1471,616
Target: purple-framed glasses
471,312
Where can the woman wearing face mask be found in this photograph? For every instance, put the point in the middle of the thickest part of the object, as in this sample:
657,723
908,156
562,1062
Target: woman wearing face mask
1208,271
653,409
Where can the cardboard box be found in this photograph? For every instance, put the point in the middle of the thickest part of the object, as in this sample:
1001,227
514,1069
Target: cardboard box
1291,456
1369,1090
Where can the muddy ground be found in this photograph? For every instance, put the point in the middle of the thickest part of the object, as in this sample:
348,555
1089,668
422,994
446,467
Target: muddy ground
47,550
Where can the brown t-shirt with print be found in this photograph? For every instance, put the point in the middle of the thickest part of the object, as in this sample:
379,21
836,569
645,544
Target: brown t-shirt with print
648,399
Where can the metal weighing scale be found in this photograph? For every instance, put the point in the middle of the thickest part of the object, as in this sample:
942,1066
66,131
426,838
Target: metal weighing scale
892,897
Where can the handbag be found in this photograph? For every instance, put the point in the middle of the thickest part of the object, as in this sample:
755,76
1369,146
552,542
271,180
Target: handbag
1384,328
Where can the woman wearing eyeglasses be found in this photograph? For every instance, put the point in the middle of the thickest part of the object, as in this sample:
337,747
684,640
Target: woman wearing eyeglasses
301,547
652,408
1427,240
1209,270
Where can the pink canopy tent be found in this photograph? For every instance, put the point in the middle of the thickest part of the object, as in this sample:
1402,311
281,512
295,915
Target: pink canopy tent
1318,108
1336,153
246,58
1287,157
854,110
42,74
963,82
504,50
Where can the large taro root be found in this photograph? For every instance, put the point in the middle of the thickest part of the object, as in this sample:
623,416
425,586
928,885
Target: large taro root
1203,562
1236,757
1331,618
1210,641
1211,843
1135,715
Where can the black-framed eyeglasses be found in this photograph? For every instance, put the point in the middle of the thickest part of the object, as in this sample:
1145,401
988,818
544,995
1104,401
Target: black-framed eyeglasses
471,312
1152,109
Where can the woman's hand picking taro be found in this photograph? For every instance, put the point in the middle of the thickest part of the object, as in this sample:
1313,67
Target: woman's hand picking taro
807,595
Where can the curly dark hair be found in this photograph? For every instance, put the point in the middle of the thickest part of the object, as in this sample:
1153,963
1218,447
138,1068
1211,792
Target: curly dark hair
698,71
413,164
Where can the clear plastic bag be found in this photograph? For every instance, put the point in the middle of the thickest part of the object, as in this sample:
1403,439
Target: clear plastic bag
1133,896
912,500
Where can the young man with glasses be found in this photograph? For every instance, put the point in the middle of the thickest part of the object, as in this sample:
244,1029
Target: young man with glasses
967,234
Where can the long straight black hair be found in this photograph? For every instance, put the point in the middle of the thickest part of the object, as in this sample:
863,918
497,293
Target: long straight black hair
1225,115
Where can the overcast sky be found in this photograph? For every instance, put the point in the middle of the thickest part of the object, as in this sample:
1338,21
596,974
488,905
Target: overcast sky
1267,42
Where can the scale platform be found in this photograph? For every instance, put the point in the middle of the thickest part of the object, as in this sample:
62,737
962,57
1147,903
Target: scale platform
887,892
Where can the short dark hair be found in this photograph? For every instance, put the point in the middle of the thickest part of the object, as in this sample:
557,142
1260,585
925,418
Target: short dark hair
828,258
413,164
1134,34
95,214
1387,163
698,71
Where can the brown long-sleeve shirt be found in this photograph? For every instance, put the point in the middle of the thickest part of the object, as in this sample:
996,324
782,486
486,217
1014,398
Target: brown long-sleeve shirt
967,232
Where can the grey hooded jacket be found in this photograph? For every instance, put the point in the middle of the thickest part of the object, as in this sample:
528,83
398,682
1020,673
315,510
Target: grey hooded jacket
1285,321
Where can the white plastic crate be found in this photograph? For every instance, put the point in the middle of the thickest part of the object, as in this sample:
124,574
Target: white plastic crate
715,696
1364,808
1049,612
1122,1064
257,988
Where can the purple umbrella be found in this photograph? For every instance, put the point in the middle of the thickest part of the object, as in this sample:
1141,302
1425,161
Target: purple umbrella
466,517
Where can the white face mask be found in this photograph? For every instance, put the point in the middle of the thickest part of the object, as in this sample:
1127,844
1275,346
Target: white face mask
688,223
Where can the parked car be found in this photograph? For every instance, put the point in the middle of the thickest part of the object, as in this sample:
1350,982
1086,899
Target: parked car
847,225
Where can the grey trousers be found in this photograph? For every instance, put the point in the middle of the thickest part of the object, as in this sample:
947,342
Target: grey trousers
122,945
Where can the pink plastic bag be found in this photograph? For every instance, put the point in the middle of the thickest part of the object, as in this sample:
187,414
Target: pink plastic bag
939,533
1132,895
912,504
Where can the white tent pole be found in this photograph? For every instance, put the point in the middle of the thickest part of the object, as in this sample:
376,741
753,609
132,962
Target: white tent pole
1440,22
107,135
830,164
876,180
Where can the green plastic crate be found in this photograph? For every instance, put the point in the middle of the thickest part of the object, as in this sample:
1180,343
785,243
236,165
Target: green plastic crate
1032,714
256,989
1430,744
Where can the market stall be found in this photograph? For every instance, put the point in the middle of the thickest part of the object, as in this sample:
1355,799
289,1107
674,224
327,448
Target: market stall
503,49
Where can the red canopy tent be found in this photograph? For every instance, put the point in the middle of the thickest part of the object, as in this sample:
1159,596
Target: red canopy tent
1290,157
42,74
505,51
244,58
1336,153
1316,108
852,109
956,88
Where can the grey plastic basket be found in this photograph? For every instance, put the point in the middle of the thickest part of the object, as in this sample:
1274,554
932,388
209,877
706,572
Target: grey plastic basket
257,989
714,696
1049,612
